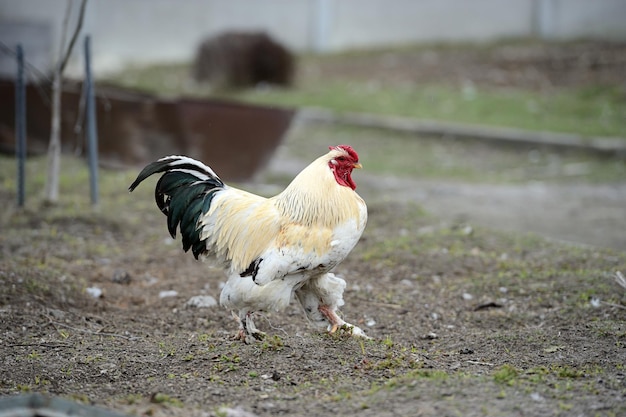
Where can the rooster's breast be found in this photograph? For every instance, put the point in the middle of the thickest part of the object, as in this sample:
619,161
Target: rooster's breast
309,250
347,234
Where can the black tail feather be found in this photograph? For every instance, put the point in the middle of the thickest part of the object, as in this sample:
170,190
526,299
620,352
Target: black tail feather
158,166
183,193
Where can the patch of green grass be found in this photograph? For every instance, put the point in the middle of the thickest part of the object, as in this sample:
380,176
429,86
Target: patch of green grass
608,328
132,399
506,374
433,374
575,111
564,371
589,111
80,398
230,359
391,363
41,381
161,398
204,337
388,342
166,349
222,411
23,388
272,343
409,378
34,356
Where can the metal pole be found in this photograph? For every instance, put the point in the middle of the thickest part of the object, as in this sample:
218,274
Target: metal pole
545,17
322,17
20,126
92,131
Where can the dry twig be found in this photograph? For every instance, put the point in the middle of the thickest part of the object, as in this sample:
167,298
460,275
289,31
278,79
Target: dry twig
91,332
620,279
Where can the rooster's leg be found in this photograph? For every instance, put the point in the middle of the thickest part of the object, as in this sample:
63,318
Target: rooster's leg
332,317
247,329
336,322
251,328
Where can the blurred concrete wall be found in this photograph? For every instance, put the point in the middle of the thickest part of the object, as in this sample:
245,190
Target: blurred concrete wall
140,31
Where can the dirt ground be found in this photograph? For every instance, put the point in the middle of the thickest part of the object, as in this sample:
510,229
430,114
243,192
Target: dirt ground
585,214
465,320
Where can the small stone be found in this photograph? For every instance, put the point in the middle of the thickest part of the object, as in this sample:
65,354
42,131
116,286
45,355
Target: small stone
535,396
121,276
201,301
166,294
57,314
95,292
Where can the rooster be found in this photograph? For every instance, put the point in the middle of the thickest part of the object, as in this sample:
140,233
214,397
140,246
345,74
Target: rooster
273,249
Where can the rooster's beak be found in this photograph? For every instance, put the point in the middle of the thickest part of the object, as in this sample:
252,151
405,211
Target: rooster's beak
357,165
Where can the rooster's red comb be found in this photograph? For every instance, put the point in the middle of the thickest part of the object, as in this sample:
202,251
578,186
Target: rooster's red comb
348,149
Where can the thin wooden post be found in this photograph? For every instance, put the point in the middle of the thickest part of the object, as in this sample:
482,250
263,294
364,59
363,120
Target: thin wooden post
92,131
20,127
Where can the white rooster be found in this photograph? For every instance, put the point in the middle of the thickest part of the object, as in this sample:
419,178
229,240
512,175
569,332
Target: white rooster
272,248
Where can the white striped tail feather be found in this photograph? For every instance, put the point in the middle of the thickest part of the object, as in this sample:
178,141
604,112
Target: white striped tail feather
177,163
183,193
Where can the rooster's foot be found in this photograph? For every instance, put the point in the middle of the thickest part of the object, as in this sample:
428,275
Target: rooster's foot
336,323
248,332
249,337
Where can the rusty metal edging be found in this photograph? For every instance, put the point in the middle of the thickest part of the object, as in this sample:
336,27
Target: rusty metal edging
38,405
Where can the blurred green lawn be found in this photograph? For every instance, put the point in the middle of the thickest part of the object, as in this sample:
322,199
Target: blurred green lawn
590,110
